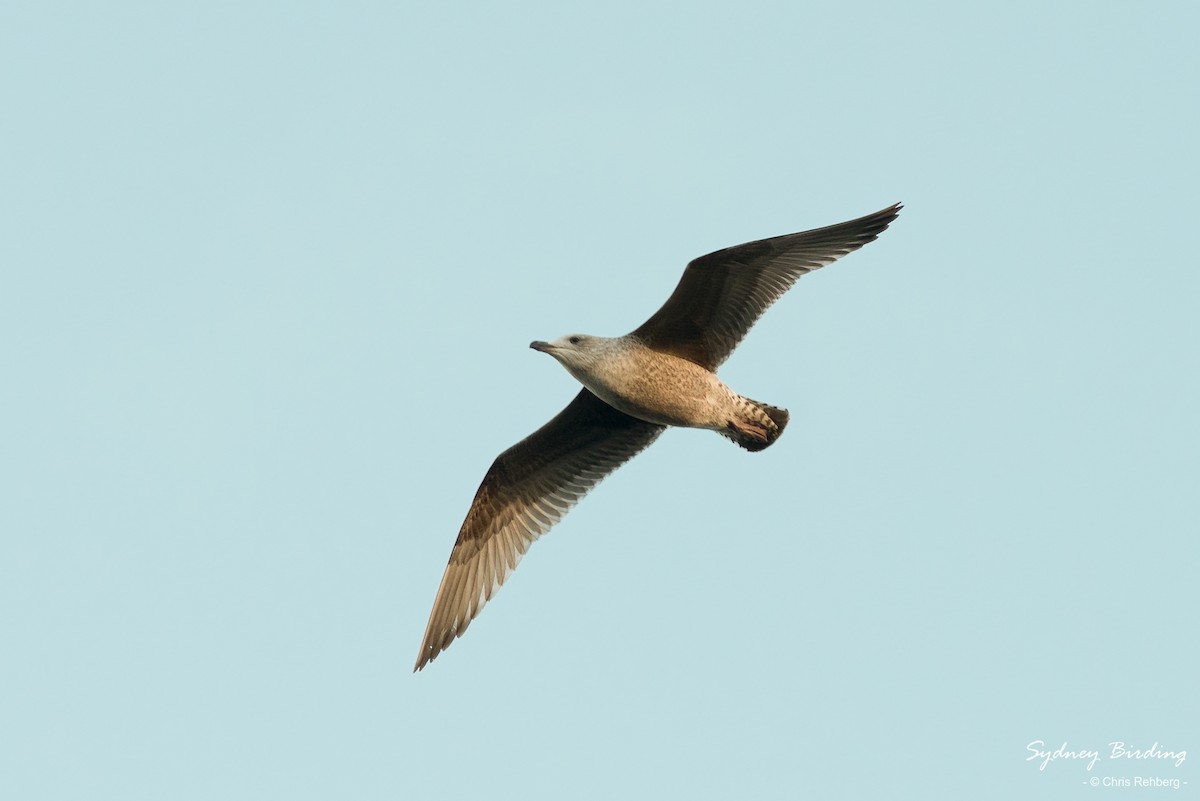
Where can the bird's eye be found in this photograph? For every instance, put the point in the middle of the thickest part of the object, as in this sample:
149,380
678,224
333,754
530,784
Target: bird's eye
573,340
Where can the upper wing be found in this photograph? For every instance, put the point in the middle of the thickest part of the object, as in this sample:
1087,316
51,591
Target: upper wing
723,294
527,490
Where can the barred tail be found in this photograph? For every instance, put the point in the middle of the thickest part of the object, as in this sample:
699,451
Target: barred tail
757,425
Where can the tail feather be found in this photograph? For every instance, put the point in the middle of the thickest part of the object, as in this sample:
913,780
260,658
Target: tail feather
758,426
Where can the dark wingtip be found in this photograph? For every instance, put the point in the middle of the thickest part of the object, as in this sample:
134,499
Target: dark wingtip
885,216
872,225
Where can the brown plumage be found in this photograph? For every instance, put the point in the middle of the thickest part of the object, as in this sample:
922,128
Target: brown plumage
634,386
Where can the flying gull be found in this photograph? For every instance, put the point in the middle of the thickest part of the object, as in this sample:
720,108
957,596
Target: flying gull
660,374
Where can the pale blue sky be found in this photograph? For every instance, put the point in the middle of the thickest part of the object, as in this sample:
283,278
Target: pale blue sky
269,273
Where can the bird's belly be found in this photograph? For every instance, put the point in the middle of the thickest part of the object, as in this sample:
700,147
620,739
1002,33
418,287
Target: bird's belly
663,389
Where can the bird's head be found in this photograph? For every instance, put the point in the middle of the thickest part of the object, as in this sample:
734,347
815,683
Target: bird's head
573,351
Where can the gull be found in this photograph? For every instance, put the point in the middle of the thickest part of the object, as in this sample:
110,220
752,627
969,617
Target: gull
663,373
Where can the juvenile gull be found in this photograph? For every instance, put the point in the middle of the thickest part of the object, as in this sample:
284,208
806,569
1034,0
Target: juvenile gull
661,374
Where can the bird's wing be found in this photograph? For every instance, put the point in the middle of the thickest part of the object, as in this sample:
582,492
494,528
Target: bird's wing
527,490
723,294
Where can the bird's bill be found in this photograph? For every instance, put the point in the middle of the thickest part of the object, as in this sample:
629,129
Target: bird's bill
539,345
